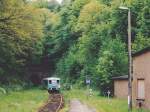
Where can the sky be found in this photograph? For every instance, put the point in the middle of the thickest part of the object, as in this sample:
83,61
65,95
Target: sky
59,1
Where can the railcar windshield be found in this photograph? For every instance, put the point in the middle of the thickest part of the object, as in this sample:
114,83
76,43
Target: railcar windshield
54,81
58,81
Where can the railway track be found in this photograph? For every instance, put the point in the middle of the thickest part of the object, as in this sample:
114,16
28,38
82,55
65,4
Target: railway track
54,103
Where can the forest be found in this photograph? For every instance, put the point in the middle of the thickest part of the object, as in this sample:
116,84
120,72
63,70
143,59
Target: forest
72,40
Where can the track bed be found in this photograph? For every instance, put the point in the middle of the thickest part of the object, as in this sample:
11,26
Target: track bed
54,103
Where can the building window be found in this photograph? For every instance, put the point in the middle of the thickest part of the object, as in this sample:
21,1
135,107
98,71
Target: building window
141,89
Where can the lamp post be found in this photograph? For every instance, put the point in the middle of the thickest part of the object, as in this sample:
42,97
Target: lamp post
129,60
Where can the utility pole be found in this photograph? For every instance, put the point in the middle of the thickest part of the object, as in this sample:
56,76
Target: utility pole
129,60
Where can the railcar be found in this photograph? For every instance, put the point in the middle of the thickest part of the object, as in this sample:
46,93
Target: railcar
52,84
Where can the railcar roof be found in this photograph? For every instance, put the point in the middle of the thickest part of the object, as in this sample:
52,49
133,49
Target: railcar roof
51,78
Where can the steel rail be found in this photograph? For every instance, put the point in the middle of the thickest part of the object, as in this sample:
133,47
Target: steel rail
61,100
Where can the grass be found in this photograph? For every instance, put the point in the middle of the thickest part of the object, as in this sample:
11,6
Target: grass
23,101
31,100
101,104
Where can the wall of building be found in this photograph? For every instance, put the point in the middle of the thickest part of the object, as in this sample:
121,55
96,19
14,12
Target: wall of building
141,70
121,89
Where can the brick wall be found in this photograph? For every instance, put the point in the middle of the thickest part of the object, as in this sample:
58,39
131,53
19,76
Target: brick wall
141,70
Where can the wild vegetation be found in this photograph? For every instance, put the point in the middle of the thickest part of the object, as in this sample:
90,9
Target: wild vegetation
73,40
23,101
95,33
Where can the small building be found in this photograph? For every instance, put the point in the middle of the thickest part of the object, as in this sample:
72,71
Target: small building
121,86
140,82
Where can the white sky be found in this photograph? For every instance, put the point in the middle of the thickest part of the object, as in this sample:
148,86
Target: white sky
59,1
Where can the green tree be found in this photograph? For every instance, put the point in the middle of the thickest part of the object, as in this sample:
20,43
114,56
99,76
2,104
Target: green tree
112,62
20,37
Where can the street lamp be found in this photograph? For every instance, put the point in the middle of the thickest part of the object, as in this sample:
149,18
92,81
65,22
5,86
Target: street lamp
130,59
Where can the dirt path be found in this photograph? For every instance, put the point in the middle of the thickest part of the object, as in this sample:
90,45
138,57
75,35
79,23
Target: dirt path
77,106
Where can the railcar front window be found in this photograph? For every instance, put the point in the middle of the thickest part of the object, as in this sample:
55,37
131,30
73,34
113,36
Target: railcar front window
50,82
58,81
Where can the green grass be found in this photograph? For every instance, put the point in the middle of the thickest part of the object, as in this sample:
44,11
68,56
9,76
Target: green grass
23,101
31,100
101,104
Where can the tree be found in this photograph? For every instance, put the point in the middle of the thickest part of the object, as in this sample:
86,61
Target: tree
112,62
20,37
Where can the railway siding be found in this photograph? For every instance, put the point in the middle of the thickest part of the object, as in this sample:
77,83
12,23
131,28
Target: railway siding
54,103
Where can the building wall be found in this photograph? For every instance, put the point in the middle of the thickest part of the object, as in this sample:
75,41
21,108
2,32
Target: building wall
141,70
121,89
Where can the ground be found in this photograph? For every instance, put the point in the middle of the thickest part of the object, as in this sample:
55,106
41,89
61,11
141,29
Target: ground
31,100
77,106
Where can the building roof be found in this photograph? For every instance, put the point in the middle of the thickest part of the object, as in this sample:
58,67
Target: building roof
141,51
51,78
124,77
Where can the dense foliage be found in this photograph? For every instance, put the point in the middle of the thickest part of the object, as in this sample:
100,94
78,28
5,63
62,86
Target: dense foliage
20,38
99,46
75,40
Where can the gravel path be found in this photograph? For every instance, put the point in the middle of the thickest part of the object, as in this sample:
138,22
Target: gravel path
77,106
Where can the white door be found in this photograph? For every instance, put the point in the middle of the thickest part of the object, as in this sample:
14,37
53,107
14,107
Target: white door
141,89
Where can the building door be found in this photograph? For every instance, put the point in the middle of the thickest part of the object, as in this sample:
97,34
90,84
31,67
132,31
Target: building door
141,89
